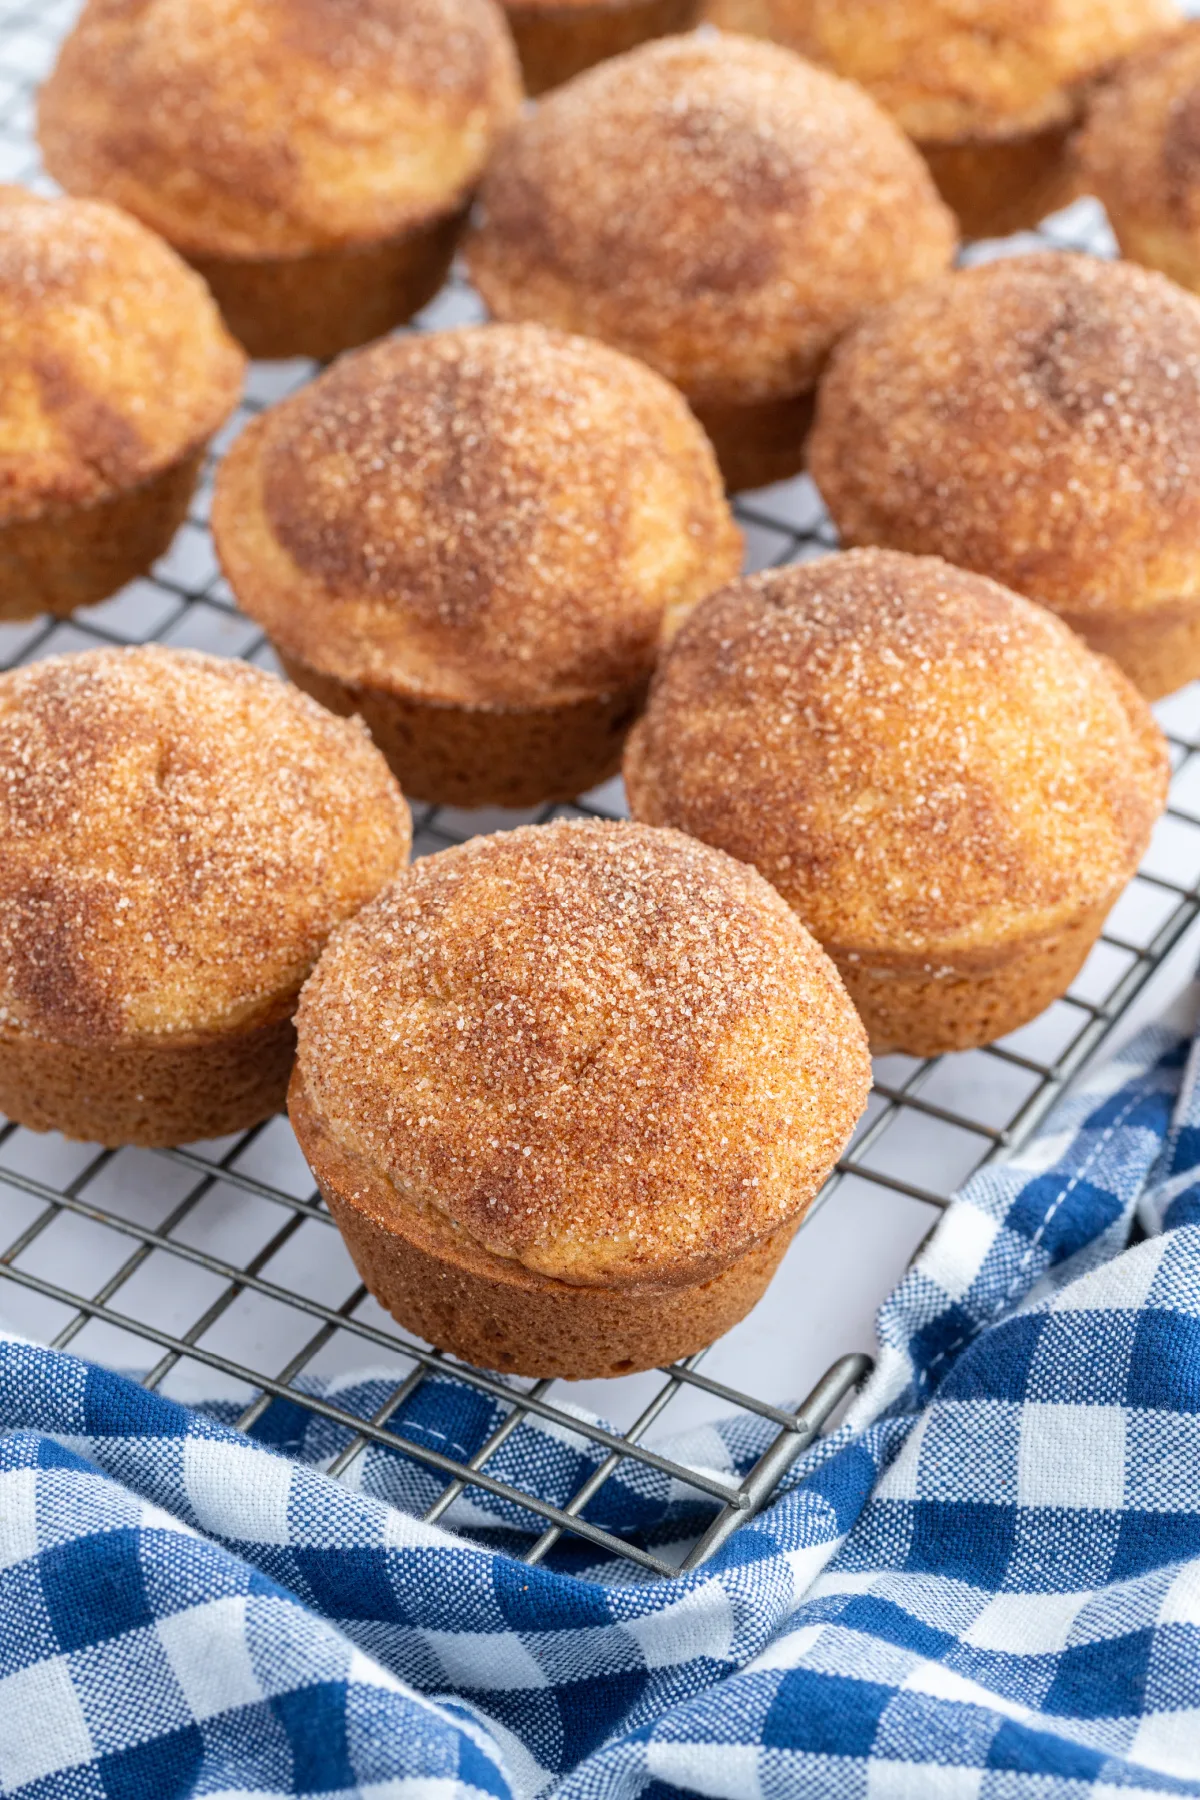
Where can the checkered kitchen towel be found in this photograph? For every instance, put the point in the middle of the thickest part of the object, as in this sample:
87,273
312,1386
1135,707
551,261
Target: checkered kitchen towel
986,1583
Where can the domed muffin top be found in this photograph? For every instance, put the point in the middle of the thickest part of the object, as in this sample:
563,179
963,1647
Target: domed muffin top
113,358
272,127
923,763
178,836
501,515
1140,147
609,1053
1036,419
947,71
713,205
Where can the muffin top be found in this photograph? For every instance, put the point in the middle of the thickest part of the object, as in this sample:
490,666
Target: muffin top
501,515
713,205
1140,147
113,358
606,1052
271,127
923,763
947,71
178,836
1036,419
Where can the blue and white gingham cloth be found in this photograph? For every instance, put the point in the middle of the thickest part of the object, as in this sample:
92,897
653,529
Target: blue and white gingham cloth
985,1584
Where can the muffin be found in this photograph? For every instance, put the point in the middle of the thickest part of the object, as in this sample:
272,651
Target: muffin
115,370
946,785
990,91
314,162
569,1090
473,539
723,211
556,39
1038,420
178,836
1139,152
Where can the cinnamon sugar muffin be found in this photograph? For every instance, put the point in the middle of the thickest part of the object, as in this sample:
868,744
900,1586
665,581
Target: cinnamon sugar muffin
723,211
115,370
1036,419
178,836
568,1092
473,539
949,788
314,161
1139,152
989,91
557,39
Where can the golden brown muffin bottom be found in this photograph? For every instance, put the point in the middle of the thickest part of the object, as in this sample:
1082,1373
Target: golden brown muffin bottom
153,1091
493,1311
484,756
759,441
1176,253
1003,185
928,1015
331,300
556,42
76,556
1159,649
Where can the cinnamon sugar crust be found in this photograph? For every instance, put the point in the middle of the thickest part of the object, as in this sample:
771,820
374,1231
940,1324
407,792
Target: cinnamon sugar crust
1036,419
1139,151
948,72
499,516
114,363
712,205
932,770
608,1054
178,836
274,127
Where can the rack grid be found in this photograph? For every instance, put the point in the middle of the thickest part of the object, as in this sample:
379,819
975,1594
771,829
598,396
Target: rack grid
132,1215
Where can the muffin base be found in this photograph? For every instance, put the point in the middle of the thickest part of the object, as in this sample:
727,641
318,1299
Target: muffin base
484,756
1158,650
556,42
759,441
77,556
1174,252
1003,185
152,1091
331,300
927,1015
494,1312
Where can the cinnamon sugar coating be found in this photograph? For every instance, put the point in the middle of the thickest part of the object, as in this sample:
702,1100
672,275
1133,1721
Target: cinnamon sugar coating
712,205
178,836
930,769
948,72
607,1053
273,127
1139,151
1036,419
114,363
491,517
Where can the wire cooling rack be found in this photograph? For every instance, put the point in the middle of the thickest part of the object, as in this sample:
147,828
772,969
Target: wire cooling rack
218,1265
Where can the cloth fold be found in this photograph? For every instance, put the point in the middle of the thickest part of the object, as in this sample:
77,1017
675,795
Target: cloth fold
985,1582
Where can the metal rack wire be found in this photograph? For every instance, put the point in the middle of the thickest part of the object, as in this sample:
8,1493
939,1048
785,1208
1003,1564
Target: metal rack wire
66,1208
